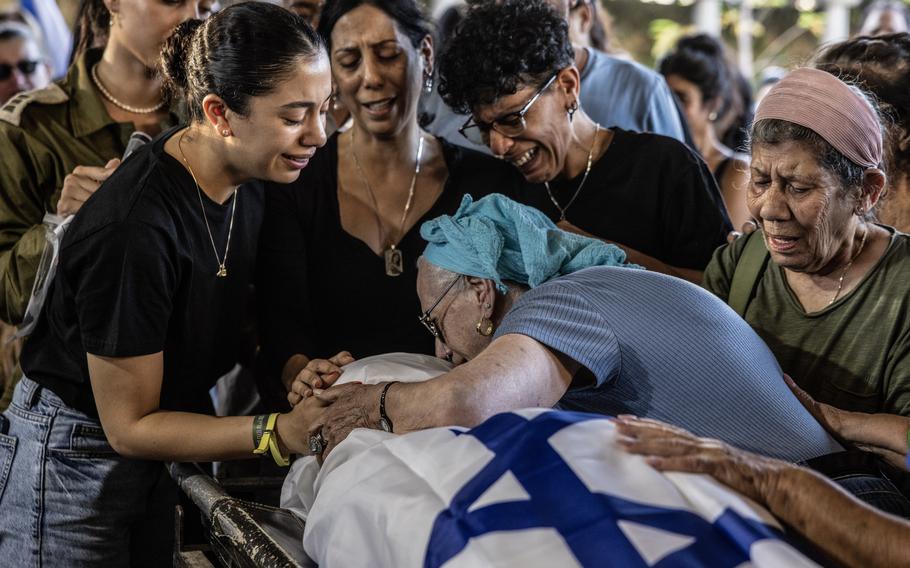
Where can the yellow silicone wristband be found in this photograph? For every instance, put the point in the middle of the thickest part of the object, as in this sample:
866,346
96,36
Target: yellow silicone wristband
267,434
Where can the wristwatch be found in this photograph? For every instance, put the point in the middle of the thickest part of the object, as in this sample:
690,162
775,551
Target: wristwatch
385,423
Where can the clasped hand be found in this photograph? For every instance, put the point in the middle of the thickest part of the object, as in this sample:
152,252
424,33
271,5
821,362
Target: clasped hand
341,408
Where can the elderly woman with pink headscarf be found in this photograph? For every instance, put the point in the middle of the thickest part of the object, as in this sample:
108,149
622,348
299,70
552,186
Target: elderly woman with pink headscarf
820,282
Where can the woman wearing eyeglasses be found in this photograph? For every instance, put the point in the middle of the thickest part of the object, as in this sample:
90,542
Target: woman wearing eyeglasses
338,253
511,65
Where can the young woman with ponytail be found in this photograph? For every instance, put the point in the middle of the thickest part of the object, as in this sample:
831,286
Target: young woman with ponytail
146,309
59,143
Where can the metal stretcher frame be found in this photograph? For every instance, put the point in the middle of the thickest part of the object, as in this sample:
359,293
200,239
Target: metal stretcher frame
242,534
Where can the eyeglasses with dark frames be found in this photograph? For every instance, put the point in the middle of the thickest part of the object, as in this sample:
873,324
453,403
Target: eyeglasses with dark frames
430,323
510,125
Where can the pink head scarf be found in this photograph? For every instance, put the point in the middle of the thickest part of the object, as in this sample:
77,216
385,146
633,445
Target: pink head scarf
824,104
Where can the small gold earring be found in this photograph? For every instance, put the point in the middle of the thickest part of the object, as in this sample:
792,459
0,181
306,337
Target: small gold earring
225,133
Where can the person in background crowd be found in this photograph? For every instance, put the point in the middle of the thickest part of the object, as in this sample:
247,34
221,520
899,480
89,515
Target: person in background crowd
146,309
881,65
733,127
817,282
22,66
848,531
883,17
697,71
56,39
340,245
309,10
616,92
512,66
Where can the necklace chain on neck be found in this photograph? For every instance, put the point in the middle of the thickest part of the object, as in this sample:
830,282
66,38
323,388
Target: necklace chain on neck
222,262
394,261
563,210
117,103
840,281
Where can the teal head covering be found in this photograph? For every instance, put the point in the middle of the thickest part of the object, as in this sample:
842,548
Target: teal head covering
499,239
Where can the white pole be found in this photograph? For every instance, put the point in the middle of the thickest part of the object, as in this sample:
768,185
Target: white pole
837,20
744,38
707,17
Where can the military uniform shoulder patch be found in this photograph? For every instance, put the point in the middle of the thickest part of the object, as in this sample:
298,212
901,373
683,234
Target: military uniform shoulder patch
11,112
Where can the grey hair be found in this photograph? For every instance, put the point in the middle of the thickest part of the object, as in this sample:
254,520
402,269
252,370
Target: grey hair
442,277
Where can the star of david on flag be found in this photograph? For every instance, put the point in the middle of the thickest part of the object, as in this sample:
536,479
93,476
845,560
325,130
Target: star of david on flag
527,488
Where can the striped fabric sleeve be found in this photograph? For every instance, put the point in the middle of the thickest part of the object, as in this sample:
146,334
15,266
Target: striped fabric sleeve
564,320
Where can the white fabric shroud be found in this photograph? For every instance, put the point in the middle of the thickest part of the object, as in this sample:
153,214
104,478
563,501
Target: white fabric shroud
527,488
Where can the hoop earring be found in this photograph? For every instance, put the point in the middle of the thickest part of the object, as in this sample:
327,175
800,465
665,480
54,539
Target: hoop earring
712,116
485,329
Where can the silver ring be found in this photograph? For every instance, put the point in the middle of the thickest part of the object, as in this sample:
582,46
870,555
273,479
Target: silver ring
317,443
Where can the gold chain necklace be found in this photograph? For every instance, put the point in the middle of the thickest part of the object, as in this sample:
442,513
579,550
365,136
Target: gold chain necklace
222,262
107,94
394,260
546,184
840,281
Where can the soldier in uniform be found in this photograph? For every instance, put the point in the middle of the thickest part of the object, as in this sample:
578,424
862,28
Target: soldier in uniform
59,143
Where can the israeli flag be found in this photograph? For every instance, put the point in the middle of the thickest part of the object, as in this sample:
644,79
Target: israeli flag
528,488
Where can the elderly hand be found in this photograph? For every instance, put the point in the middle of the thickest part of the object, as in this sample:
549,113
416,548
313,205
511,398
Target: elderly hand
82,184
668,448
295,427
351,406
316,375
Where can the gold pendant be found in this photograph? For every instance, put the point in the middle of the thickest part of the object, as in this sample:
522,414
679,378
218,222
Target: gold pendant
222,271
394,262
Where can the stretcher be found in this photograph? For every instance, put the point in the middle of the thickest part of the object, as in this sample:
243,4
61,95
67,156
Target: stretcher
240,533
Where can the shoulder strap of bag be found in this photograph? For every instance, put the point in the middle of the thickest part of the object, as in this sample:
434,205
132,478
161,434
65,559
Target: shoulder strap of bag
747,273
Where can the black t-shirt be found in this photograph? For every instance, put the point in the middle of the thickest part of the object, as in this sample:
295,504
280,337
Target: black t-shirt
321,290
137,275
648,192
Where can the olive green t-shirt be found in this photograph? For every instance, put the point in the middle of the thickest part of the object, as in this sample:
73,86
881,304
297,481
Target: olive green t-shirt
855,353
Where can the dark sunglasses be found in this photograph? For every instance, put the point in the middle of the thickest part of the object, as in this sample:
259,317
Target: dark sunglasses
25,67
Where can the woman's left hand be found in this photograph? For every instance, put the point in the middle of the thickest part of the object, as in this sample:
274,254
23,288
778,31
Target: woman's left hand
317,375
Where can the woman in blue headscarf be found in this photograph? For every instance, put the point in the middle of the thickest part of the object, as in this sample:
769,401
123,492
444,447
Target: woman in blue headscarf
534,316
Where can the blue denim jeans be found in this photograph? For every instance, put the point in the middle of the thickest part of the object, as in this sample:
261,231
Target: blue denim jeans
67,499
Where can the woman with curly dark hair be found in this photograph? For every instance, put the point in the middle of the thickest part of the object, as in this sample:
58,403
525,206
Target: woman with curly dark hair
881,65
340,245
511,65
699,75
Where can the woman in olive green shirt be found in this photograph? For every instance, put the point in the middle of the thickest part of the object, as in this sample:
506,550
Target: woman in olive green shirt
59,143
830,301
